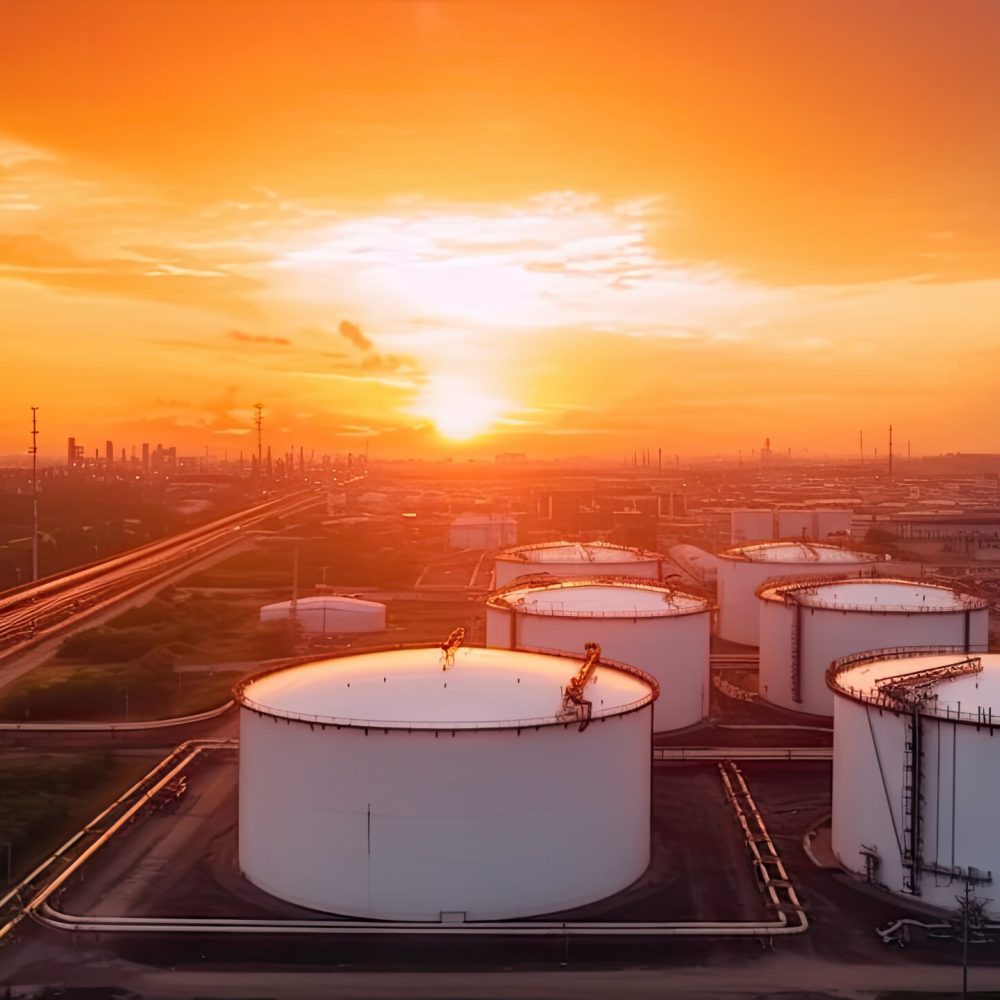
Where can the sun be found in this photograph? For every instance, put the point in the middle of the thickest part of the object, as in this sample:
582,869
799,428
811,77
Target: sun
459,409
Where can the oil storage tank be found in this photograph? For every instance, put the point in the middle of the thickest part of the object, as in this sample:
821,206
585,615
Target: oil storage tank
650,625
806,624
434,783
742,570
567,559
329,614
916,747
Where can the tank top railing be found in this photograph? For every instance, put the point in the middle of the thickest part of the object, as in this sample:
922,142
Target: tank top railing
878,699
424,725
960,607
791,589
674,598
557,609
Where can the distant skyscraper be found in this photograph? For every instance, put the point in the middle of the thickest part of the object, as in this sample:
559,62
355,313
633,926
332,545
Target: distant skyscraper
145,456
109,454
71,452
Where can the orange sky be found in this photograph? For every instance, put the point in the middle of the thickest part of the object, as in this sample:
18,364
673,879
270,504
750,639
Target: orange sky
599,226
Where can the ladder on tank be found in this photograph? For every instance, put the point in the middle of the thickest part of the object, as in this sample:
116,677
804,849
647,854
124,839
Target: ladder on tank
913,797
796,631
911,692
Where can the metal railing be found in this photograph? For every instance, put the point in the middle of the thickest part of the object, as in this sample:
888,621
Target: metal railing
520,553
424,725
882,700
547,582
792,589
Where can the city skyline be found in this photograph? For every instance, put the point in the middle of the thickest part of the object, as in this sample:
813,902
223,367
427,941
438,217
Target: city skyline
455,237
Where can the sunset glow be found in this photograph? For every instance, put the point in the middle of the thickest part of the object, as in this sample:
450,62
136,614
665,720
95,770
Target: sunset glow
458,409
732,231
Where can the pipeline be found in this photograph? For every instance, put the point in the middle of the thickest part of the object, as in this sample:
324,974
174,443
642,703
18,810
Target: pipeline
41,910
186,752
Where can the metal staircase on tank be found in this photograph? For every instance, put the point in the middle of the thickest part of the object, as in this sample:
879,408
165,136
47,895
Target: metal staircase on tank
913,798
796,631
912,692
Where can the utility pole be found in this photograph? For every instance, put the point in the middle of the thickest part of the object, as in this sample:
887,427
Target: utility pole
965,942
34,493
258,421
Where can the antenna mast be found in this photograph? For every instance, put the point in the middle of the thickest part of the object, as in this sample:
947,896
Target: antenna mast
258,421
34,493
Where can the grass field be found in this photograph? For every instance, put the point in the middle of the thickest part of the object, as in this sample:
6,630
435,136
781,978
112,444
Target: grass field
127,669
44,798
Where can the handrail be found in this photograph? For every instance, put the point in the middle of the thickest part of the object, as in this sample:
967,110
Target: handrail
518,553
244,701
881,700
741,553
701,602
790,588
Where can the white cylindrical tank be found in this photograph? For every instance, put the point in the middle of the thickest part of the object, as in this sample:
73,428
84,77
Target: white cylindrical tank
663,631
915,795
383,785
807,624
700,565
329,615
741,571
566,559
482,531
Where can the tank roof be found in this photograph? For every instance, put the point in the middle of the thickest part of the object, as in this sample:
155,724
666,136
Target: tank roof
407,688
598,597
882,594
331,602
967,697
577,552
473,518
798,553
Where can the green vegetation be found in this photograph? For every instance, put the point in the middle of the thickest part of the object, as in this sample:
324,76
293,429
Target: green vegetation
44,799
127,670
356,555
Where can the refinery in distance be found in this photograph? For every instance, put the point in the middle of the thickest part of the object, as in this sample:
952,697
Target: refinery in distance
592,715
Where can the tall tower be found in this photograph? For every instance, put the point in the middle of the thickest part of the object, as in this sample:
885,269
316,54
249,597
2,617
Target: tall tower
34,492
258,421
890,449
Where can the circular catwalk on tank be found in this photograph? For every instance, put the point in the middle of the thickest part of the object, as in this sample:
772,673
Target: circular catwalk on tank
806,624
916,754
662,630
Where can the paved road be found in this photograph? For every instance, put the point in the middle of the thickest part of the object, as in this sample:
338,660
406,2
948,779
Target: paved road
777,975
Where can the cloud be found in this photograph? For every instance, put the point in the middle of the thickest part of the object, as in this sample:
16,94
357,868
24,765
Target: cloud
376,362
372,360
255,338
41,261
353,333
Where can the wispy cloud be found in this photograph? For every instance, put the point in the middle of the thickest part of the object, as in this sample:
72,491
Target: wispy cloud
258,338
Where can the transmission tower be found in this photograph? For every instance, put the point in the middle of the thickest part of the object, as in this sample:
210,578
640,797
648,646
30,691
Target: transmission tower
258,421
34,493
